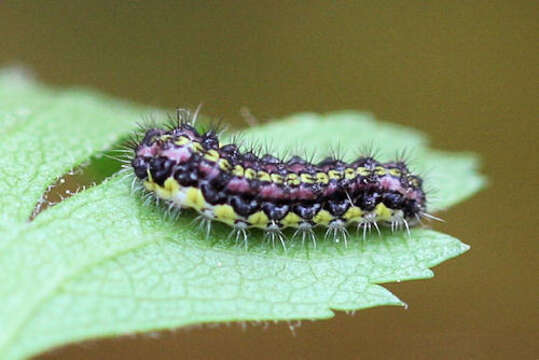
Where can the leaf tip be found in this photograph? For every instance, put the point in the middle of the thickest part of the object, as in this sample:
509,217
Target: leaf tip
464,247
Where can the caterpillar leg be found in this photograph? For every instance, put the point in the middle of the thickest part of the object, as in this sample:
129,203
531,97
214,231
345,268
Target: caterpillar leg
306,230
273,232
204,223
337,229
367,226
239,231
398,222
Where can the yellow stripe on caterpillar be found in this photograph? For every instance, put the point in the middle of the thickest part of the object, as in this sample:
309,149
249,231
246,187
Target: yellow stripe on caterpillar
380,170
258,219
322,178
291,219
349,173
194,199
250,174
335,174
354,213
182,140
197,147
212,155
149,185
168,190
224,164
323,217
225,213
276,178
263,176
382,212
307,178
238,171
293,179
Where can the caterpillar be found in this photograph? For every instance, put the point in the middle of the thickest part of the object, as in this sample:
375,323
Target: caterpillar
191,169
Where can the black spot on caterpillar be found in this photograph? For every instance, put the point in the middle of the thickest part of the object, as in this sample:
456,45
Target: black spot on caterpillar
191,169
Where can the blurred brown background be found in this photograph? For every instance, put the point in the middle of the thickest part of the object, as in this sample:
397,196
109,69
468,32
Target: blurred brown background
466,73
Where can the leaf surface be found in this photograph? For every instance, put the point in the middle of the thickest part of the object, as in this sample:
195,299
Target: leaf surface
45,133
101,263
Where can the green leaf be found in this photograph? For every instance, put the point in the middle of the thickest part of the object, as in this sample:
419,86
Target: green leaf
102,263
45,133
